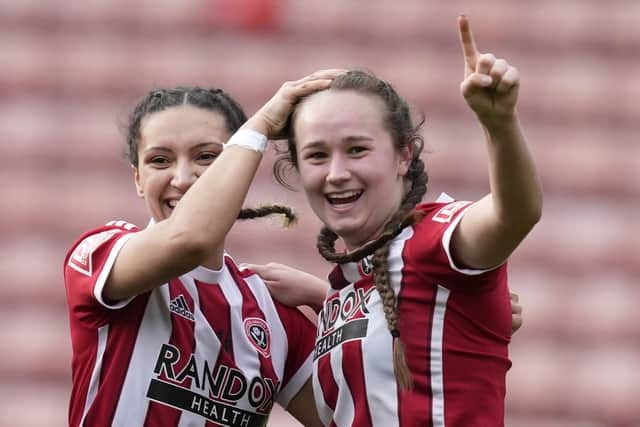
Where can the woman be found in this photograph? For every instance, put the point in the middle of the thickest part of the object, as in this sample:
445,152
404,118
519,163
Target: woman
415,327
166,330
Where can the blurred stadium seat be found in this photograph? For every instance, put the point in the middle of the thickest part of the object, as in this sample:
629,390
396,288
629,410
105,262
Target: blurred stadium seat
72,70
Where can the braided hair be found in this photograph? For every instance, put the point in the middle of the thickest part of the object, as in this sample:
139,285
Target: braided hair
404,133
212,99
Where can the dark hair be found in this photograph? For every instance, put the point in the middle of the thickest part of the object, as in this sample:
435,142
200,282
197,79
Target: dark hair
404,133
211,99
160,99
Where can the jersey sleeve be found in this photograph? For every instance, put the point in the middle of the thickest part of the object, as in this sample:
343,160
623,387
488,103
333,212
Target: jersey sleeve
86,268
433,242
301,333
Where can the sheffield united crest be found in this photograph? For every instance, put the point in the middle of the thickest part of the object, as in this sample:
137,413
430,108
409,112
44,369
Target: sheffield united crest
257,332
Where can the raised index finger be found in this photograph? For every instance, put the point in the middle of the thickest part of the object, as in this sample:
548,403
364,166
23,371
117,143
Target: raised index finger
467,42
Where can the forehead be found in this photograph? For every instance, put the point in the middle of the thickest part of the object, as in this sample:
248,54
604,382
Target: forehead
339,111
184,122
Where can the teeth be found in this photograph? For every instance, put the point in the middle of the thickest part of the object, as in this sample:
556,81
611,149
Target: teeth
346,195
172,203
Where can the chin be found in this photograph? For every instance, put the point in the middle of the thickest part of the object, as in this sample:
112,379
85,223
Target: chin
349,233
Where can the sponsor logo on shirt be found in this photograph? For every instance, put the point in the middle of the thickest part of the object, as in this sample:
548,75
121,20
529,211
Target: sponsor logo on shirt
342,319
445,214
257,331
81,258
179,306
212,391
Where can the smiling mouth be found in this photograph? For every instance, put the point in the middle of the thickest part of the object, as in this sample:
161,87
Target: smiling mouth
344,198
172,203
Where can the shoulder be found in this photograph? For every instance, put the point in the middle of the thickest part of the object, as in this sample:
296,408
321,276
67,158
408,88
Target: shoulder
427,238
91,241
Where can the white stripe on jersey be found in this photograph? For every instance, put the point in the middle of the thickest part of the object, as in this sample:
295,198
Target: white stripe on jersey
207,347
279,346
94,383
151,336
379,352
324,411
246,356
106,270
437,338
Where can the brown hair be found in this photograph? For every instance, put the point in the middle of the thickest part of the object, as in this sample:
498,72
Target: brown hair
404,133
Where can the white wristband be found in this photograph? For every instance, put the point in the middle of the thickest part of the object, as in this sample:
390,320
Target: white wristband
248,138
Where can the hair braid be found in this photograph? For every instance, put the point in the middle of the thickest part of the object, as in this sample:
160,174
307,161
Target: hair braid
405,216
290,217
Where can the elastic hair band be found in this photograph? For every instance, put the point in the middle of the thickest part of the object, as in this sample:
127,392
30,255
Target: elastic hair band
248,138
395,333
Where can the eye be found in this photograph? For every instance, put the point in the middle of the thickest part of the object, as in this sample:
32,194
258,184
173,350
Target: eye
315,155
357,150
207,157
159,161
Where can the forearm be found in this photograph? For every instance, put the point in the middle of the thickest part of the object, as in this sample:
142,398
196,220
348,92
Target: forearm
515,185
210,207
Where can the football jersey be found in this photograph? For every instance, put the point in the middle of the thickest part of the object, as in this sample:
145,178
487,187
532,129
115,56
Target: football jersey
208,348
455,324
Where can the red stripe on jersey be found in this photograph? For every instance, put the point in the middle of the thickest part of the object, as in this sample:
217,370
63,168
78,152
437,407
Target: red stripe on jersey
182,337
215,308
415,325
353,371
298,329
121,339
337,279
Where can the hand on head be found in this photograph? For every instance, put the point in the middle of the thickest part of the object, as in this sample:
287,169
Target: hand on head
272,117
490,84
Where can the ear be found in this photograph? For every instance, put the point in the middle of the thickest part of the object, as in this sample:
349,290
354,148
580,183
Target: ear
405,157
136,178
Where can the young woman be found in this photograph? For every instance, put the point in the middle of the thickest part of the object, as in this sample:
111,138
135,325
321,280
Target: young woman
415,327
166,330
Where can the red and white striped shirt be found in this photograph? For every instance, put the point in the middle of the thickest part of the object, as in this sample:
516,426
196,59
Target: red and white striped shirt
208,348
455,324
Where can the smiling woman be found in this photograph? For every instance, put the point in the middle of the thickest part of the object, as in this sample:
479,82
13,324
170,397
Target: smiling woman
416,326
176,147
166,329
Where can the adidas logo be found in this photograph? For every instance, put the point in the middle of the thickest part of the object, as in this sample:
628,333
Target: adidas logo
179,306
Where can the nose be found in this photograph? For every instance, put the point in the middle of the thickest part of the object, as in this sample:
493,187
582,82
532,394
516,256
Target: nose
338,170
184,175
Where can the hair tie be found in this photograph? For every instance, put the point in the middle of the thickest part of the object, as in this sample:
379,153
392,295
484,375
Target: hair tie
395,333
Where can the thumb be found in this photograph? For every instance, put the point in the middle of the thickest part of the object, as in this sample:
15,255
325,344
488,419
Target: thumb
257,268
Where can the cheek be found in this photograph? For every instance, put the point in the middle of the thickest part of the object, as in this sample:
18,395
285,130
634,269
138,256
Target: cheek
153,182
310,177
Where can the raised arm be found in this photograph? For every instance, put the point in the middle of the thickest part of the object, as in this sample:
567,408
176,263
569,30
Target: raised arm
493,227
194,233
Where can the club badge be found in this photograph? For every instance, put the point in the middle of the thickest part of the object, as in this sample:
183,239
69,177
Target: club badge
257,332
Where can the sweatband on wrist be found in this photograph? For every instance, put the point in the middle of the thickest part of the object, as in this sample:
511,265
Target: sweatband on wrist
250,139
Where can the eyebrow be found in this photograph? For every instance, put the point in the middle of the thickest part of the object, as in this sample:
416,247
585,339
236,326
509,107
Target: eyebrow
201,145
349,139
216,144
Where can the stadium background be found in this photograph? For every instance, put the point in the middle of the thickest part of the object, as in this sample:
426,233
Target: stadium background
70,72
